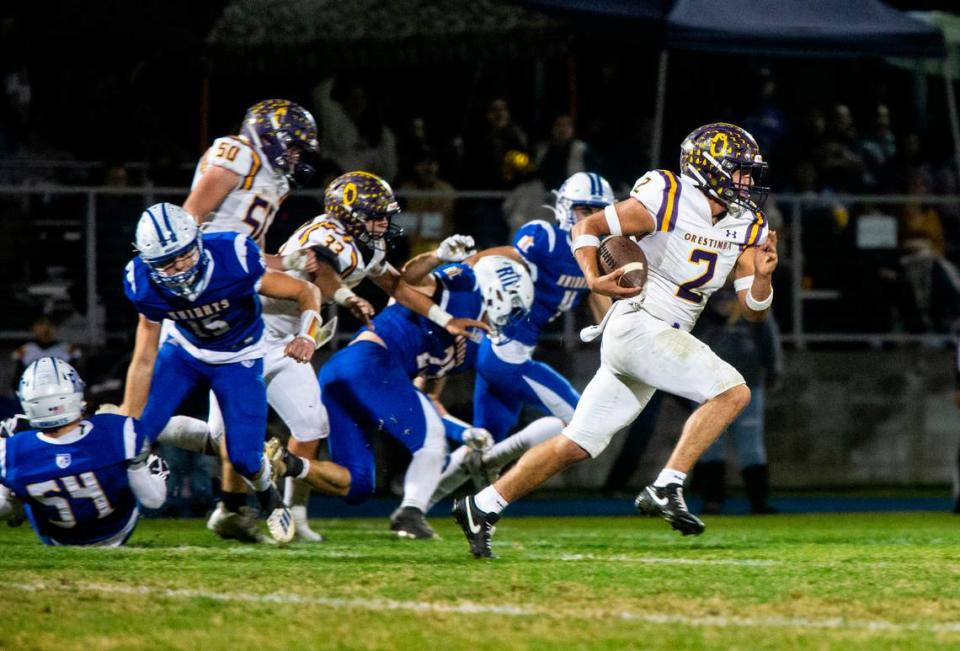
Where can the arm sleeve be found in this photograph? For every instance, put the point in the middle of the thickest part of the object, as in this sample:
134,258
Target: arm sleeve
130,289
236,156
149,489
659,192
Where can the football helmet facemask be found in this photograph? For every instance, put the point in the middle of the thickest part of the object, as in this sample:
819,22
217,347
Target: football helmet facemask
713,154
165,233
581,189
286,133
356,198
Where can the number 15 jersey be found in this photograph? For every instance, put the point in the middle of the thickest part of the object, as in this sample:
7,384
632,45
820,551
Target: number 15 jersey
688,256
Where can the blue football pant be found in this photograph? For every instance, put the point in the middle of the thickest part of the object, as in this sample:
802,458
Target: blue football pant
502,389
239,389
364,388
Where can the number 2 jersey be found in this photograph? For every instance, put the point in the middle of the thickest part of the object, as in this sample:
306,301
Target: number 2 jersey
420,345
333,245
688,256
75,487
223,325
252,205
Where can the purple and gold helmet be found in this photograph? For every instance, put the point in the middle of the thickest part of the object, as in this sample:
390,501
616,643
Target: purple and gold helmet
357,197
713,153
286,133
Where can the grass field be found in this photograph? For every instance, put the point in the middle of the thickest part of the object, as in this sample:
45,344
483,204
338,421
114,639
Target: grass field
818,581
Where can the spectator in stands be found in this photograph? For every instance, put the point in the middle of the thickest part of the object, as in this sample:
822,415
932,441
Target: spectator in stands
353,134
956,400
527,199
43,344
841,168
768,123
933,281
426,220
563,155
487,146
878,148
754,350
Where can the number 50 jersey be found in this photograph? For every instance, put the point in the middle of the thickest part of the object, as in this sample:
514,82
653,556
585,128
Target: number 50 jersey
689,257
75,487
223,324
252,205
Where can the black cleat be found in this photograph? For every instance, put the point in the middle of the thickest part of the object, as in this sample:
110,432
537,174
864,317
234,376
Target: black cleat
477,526
667,502
409,522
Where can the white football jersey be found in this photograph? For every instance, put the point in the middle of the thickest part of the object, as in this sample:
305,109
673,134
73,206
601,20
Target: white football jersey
688,256
252,205
282,317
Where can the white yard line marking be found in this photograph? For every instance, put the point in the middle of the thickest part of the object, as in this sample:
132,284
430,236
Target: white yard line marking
471,608
654,560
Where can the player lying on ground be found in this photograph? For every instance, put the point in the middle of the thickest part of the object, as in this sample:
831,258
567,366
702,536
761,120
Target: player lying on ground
207,285
79,480
695,230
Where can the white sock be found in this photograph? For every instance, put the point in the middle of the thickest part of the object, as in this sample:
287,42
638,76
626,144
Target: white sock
490,501
296,492
187,433
453,476
422,477
512,447
263,479
299,513
669,476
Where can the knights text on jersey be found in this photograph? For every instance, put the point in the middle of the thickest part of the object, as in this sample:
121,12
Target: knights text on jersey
688,256
558,281
223,324
423,347
75,487
252,205
352,261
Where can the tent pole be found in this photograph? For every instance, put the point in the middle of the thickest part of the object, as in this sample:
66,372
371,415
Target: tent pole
656,138
952,110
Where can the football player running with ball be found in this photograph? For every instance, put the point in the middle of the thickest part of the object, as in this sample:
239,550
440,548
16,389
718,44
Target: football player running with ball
694,229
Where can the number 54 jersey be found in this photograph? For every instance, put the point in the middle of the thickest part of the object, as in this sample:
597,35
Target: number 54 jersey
252,205
689,257
75,487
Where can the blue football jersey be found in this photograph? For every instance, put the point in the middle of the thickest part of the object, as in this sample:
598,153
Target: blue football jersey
423,347
225,317
558,281
75,488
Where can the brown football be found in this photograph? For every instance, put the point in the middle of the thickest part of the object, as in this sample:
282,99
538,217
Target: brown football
621,251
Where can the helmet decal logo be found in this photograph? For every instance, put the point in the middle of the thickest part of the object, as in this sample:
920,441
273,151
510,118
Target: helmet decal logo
63,460
349,194
508,276
713,144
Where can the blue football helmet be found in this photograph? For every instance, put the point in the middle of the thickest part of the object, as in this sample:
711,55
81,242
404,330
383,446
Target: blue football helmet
164,233
286,133
581,189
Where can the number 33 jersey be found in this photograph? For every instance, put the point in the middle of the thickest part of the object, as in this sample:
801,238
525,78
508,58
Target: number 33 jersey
75,487
252,205
333,245
689,257
223,325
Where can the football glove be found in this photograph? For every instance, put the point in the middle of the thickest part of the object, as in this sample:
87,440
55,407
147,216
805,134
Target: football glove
477,438
158,466
456,248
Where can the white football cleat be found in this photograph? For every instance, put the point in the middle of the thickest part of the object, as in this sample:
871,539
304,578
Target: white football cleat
240,526
281,525
304,532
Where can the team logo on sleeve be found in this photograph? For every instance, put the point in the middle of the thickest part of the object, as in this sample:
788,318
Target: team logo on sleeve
63,460
525,242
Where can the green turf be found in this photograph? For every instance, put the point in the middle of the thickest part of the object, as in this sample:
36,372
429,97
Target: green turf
780,582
